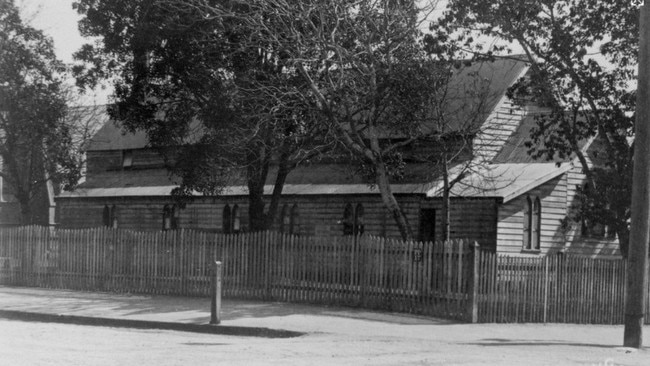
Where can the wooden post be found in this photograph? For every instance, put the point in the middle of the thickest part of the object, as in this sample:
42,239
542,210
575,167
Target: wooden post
215,307
637,277
545,289
473,282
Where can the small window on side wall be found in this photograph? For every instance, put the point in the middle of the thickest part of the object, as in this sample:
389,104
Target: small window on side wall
236,221
348,220
284,219
109,216
171,217
532,223
226,222
359,225
353,220
231,219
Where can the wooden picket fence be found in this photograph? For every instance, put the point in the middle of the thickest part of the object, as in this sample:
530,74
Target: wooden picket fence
555,289
449,280
374,273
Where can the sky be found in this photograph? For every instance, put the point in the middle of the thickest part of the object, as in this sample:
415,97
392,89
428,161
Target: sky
57,19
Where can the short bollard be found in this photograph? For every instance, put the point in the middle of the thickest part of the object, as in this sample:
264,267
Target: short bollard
215,306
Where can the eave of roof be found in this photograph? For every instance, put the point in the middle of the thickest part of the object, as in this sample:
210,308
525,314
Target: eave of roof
505,181
289,189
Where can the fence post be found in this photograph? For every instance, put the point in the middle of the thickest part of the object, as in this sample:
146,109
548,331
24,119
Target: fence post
473,283
268,261
215,306
545,289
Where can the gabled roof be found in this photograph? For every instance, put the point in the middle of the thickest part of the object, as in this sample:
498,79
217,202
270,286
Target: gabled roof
112,137
473,92
512,173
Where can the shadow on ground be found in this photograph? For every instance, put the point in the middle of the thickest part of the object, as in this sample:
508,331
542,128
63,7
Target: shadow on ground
502,342
196,310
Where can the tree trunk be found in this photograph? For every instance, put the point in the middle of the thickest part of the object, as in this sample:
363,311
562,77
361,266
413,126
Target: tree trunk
25,211
391,203
257,175
280,178
257,172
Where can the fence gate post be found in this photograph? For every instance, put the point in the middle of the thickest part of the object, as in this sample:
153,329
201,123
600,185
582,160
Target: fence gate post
473,282
215,306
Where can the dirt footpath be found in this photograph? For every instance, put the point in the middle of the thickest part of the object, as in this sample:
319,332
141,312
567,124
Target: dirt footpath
333,336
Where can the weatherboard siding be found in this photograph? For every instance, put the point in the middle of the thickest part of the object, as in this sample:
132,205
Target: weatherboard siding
498,128
511,219
472,219
112,160
577,244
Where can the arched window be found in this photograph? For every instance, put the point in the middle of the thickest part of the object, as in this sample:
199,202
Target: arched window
532,223
106,216
167,218
294,224
226,220
348,220
359,225
171,217
284,220
113,216
176,217
527,222
536,224
236,223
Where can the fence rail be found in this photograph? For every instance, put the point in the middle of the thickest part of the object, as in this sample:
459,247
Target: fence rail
374,273
448,280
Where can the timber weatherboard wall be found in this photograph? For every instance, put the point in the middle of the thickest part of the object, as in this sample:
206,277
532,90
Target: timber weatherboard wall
510,226
579,244
111,160
503,121
319,215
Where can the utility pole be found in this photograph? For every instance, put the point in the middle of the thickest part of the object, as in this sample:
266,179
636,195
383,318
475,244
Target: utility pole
637,270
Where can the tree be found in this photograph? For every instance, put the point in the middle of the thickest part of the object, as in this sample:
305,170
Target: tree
569,45
273,81
220,112
363,66
35,141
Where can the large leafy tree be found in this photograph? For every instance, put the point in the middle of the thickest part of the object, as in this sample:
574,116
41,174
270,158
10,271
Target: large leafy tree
362,66
272,82
35,140
220,112
583,55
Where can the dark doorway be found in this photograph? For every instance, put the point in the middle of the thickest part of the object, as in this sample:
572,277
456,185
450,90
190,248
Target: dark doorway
427,224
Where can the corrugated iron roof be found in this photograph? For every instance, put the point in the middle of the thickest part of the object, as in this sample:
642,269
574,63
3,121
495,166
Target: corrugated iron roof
112,137
289,189
472,94
506,181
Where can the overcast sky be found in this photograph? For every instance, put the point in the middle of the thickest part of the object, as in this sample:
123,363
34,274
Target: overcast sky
58,20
